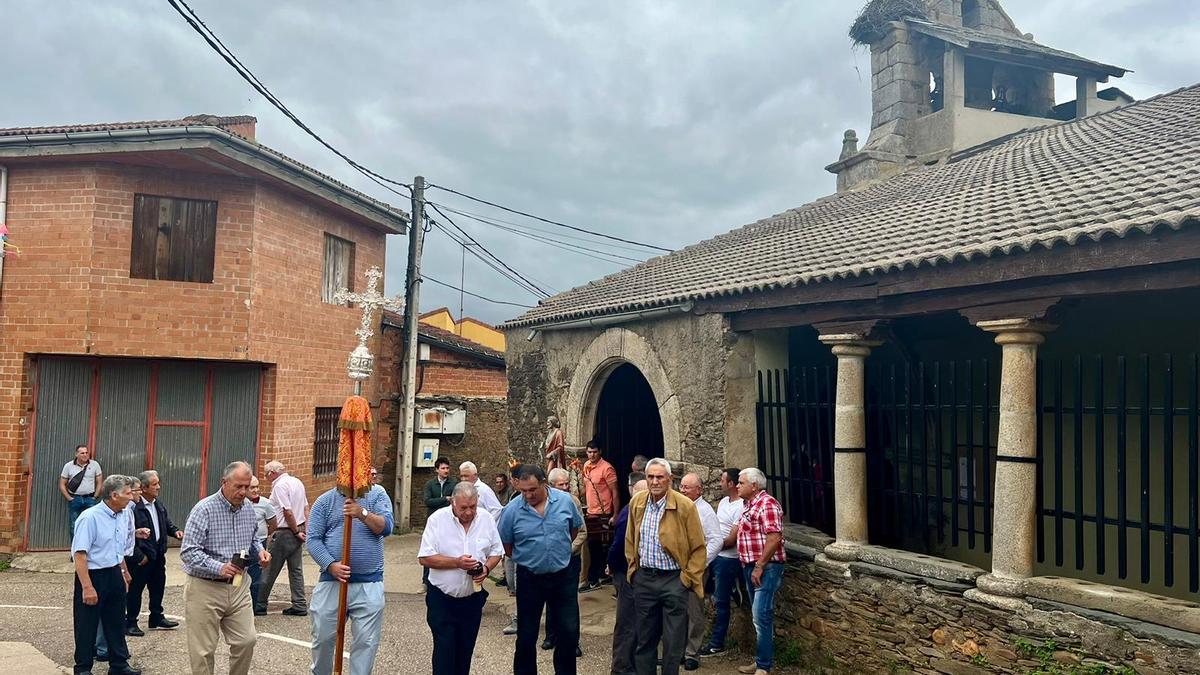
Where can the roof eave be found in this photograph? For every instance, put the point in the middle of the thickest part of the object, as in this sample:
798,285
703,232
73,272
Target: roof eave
232,146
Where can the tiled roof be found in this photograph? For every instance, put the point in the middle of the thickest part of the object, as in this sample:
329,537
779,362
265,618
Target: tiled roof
197,120
1137,167
446,338
207,122
971,37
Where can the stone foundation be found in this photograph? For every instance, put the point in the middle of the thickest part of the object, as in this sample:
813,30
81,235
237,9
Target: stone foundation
862,618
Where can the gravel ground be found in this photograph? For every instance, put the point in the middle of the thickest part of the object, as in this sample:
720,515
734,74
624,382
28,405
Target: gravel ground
29,596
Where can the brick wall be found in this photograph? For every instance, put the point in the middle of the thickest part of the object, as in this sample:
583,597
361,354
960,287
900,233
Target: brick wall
69,292
451,380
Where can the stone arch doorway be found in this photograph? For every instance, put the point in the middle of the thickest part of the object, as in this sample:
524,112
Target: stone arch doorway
622,353
627,422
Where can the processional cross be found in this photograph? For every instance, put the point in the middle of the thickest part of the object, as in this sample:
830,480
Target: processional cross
361,362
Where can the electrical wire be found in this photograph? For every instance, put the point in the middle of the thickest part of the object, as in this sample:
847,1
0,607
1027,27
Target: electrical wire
566,246
531,228
485,250
234,62
538,234
487,261
547,220
426,277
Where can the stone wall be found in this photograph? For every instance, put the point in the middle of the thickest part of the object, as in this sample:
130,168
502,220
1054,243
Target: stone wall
870,619
693,364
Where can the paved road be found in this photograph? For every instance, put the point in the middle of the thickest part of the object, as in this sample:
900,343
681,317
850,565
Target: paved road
28,600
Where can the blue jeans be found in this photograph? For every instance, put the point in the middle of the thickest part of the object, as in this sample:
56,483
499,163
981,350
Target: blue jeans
763,601
77,505
255,572
725,573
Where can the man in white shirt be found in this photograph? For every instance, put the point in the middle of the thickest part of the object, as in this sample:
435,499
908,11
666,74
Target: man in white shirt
488,501
287,544
726,569
693,489
79,483
460,546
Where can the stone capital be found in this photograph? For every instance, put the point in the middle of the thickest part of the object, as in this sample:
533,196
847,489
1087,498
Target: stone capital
1017,331
850,344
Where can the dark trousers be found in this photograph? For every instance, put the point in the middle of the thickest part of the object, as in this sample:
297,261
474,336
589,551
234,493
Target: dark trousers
535,591
598,558
552,610
286,547
454,623
107,614
256,571
152,575
662,615
625,631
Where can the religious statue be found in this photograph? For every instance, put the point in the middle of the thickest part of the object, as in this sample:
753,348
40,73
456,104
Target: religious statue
554,449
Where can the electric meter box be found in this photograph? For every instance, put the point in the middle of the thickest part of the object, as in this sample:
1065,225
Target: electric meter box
427,452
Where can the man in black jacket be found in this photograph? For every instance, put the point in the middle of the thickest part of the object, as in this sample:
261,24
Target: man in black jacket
148,564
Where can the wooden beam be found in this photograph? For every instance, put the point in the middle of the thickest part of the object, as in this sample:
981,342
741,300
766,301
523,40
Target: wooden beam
1152,278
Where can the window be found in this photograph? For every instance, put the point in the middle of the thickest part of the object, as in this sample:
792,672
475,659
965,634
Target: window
173,239
325,442
338,269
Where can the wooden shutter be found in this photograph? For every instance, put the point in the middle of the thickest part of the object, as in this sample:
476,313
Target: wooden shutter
173,239
338,267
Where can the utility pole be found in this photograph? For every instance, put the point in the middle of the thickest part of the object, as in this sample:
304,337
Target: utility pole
412,294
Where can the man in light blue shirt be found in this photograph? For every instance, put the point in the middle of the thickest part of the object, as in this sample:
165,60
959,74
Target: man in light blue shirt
103,537
537,528
370,521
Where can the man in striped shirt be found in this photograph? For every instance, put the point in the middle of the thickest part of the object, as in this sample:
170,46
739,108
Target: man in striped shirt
370,521
216,596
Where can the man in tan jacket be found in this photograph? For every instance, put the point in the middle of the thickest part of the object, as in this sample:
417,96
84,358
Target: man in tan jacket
665,546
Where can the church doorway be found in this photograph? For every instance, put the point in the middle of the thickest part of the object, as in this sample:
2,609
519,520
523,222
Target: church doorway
627,421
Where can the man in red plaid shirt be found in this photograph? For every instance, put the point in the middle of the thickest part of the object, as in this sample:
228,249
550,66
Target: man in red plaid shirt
760,549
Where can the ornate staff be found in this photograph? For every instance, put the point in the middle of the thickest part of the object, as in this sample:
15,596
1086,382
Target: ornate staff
354,442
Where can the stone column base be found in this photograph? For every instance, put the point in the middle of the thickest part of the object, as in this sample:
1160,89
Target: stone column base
844,551
994,584
997,601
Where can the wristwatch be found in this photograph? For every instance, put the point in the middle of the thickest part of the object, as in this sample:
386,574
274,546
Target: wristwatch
364,513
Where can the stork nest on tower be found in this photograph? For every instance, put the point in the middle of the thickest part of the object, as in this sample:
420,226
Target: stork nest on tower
872,24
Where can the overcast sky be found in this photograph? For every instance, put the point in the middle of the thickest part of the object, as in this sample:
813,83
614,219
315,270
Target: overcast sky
663,122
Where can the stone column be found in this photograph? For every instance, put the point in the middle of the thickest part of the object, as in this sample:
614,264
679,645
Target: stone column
849,445
1014,518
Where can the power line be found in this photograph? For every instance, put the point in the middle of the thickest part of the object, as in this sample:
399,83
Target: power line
426,277
532,290
547,220
498,222
485,250
563,245
234,62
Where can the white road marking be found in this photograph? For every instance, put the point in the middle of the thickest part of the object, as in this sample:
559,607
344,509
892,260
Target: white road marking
292,641
28,607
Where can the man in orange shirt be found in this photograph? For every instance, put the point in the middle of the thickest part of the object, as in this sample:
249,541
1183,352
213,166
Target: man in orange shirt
603,503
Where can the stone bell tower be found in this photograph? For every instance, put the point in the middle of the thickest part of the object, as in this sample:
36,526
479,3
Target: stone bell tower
947,75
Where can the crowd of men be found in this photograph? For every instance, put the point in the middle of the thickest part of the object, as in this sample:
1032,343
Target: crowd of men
119,545
662,552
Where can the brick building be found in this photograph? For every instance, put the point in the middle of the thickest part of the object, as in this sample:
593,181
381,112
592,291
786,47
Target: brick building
453,373
171,307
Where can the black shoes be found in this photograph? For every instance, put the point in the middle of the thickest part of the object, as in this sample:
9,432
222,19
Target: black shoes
163,624
547,645
128,670
260,611
502,582
134,631
292,611
690,664
578,652
589,586
711,651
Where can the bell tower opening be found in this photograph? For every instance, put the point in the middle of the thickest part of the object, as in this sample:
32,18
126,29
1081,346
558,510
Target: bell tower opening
627,421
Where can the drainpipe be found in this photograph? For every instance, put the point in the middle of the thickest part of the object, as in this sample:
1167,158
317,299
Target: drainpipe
3,218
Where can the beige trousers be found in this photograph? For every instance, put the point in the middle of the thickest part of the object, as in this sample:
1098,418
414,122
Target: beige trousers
213,608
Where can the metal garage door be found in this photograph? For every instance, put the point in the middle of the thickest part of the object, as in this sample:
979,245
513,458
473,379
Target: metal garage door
186,419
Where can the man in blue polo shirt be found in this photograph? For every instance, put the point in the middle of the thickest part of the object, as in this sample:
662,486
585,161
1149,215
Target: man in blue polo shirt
370,521
537,528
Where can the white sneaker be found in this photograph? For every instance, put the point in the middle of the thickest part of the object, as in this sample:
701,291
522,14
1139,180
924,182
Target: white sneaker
748,670
511,628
